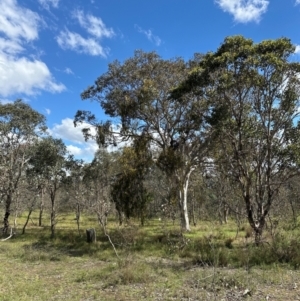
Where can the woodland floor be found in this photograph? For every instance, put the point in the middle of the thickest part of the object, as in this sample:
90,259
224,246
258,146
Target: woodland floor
77,278
32,268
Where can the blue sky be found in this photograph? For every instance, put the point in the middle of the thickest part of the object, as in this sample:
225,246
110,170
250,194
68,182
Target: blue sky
51,50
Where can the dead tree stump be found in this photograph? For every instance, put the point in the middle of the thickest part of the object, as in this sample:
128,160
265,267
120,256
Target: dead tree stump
91,235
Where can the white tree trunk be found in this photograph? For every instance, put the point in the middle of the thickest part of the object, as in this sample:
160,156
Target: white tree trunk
185,223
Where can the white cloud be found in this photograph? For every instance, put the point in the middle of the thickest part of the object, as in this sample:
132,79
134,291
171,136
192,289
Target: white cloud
297,2
10,47
93,25
96,30
75,142
78,146
297,49
68,71
17,22
74,41
244,11
150,36
85,153
48,111
19,74
66,130
47,3
74,150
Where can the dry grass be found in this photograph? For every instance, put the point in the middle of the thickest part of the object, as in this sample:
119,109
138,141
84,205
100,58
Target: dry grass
84,278
154,265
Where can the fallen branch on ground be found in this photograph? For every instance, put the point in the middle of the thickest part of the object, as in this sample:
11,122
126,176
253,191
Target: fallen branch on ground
11,235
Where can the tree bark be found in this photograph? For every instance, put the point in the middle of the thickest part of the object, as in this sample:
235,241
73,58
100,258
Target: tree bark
6,222
41,208
52,223
185,223
78,213
258,230
258,223
27,220
53,215
7,214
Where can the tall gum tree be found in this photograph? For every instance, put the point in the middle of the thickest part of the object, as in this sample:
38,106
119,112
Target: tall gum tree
136,94
255,92
20,126
49,164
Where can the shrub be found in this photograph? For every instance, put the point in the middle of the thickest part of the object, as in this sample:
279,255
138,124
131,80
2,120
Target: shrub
228,243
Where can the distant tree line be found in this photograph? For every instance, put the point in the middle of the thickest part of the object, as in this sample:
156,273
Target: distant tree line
210,138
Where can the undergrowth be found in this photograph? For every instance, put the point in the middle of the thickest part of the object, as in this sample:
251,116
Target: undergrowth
158,261
210,245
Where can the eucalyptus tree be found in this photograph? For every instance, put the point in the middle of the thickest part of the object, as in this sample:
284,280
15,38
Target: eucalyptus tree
136,94
48,163
97,177
74,186
254,90
157,184
31,196
290,193
128,190
20,127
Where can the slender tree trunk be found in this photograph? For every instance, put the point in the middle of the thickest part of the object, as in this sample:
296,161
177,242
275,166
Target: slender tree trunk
7,213
53,215
225,213
220,213
78,217
193,211
293,212
238,222
6,222
184,214
258,223
41,208
17,207
29,214
258,232
120,216
27,220
52,223
185,223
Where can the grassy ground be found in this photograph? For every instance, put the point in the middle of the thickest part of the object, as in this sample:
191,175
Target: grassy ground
155,262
